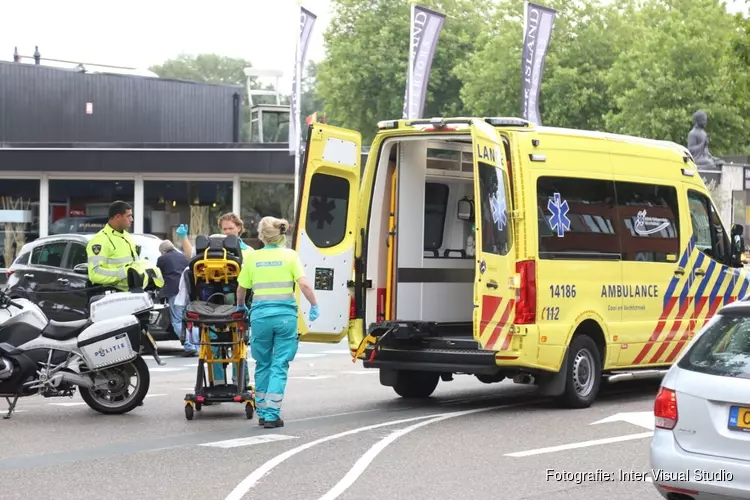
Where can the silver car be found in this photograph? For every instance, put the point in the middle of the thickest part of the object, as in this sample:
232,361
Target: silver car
701,444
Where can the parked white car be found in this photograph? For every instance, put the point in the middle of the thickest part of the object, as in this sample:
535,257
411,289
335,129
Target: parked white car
701,444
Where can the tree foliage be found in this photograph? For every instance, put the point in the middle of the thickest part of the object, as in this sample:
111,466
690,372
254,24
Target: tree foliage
363,77
640,67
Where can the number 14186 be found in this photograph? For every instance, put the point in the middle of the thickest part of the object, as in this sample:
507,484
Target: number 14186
562,291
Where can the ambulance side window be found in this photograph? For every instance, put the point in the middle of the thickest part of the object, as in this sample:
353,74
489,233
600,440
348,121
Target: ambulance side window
327,209
577,219
649,218
710,237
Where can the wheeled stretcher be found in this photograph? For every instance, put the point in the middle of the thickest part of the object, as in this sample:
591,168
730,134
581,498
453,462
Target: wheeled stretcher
223,333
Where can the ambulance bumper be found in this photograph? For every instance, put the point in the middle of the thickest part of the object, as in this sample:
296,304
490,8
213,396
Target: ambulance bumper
471,361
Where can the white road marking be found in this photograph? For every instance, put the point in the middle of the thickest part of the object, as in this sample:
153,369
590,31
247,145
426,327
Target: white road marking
163,369
643,419
250,481
248,441
307,355
360,372
77,403
313,377
338,351
365,460
154,395
582,444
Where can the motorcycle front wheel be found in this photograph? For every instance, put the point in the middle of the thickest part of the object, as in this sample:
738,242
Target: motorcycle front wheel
126,388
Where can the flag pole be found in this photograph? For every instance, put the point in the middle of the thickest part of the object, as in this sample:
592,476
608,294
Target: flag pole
297,96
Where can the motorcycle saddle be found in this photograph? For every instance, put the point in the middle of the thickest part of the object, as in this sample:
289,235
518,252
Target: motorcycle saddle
65,330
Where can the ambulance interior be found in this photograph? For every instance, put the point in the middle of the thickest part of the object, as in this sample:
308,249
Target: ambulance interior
425,272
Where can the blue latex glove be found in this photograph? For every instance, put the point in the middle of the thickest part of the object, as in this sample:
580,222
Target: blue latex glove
182,231
242,308
314,313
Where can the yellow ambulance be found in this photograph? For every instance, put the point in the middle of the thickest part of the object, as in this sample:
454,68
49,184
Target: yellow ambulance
495,248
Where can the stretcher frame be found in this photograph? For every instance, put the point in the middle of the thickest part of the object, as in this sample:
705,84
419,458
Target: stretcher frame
230,331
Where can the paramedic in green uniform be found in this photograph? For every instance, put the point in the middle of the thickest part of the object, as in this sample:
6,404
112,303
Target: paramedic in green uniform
271,273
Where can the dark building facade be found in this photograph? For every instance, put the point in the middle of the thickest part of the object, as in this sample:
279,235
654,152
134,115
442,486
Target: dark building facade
72,142
51,105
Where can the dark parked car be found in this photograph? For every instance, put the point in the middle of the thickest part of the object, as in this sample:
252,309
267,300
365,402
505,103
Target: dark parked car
52,272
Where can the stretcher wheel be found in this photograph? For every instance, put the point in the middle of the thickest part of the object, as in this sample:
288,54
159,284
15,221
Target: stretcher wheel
189,412
249,410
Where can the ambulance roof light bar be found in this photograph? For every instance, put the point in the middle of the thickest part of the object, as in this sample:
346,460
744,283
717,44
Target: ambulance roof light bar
503,121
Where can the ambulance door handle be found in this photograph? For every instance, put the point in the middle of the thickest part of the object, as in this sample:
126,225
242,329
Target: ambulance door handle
679,271
492,284
700,272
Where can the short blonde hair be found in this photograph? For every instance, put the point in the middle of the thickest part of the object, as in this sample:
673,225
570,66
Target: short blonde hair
234,219
272,231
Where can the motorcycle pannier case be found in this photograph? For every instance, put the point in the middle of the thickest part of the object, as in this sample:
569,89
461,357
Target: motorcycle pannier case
110,342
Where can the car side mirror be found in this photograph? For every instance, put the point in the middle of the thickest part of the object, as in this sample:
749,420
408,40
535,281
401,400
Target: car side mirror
81,269
464,209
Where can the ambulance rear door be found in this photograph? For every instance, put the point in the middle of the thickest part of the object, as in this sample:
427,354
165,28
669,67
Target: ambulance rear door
325,229
494,292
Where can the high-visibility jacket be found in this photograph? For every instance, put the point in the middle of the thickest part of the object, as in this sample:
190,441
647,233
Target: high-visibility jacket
109,254
145,275
271,273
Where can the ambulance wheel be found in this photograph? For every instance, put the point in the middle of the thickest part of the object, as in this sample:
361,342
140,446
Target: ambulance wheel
416,385
584,374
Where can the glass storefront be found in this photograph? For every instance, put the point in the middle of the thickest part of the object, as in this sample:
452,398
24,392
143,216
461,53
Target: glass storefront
19,216
259,199
81,206
199,204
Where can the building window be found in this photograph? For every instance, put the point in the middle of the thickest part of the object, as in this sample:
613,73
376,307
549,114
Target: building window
82,206
650,215
261,199
19,216
199,204
577,219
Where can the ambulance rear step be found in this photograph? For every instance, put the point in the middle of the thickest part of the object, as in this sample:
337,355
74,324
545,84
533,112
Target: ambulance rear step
429,346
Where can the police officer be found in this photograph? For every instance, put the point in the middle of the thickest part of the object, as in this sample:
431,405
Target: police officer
271,273
113,249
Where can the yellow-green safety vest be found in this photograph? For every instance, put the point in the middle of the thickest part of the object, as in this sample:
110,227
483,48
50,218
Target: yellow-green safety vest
271,273
109,254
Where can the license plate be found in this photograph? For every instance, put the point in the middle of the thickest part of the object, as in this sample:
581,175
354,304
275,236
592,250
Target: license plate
739,418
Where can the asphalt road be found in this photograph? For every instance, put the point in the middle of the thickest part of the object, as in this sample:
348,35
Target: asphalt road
346,437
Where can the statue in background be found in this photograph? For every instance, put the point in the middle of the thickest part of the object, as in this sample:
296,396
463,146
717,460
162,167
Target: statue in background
697,143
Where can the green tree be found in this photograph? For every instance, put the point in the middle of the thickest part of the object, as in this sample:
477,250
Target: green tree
679,61
363,77
574,93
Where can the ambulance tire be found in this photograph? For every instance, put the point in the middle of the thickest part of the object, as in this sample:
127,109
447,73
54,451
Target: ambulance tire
584,373
416,385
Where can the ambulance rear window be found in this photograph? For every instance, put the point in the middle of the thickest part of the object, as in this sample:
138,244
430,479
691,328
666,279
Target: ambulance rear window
327,208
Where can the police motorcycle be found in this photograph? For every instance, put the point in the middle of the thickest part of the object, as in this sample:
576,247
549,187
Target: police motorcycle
102,356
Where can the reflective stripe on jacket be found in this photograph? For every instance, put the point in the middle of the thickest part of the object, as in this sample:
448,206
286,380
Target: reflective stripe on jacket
109,255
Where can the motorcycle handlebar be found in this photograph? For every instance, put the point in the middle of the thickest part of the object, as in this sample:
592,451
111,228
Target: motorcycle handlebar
7,301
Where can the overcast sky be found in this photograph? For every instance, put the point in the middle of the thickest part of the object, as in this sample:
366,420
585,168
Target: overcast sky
142,33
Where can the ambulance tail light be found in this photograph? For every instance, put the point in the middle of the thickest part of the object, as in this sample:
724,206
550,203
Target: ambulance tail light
526,303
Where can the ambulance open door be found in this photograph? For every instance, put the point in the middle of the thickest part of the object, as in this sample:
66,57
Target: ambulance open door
494,293
325,229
